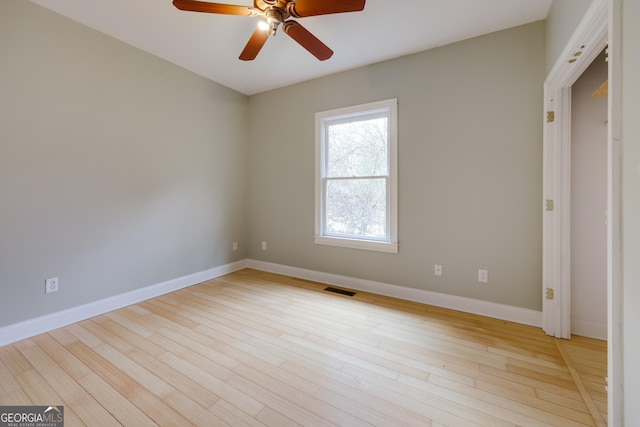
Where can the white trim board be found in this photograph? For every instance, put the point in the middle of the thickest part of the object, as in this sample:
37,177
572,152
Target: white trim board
453,302
587,41
22,330
589,330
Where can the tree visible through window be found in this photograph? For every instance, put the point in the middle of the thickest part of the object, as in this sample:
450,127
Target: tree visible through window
356,180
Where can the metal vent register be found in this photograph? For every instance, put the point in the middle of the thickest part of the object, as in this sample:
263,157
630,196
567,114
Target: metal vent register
340,291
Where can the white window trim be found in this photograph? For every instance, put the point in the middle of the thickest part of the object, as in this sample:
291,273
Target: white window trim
376,245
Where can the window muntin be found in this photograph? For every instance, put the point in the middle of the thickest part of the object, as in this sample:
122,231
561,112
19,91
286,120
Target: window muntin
356,190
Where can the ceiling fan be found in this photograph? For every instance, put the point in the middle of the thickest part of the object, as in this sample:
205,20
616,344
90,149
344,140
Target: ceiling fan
274,13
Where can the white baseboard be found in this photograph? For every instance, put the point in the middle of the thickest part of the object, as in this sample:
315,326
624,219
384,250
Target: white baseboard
22,330
589,330
484,308
28,328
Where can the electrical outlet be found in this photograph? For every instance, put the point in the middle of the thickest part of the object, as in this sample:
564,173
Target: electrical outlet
437,269
235,246
51,285
264,246
483,276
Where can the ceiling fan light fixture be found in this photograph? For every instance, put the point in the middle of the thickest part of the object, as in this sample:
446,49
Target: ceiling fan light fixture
274,13
263,25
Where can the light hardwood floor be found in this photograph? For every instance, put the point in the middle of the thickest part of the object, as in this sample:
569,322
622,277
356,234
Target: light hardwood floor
254,348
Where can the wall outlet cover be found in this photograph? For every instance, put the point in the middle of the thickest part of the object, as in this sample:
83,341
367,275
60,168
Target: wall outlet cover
437,269
483,276
51,285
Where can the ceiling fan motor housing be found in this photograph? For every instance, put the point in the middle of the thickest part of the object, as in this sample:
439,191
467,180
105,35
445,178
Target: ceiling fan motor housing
274,18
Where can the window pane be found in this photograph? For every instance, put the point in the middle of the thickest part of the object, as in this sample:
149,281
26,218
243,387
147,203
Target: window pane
357,148
356,207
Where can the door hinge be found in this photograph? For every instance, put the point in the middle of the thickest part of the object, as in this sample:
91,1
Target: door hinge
549,293
551,116
550,204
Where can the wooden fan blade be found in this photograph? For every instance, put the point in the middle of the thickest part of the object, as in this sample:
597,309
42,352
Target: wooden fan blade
203,6
302,8
307,40
255,43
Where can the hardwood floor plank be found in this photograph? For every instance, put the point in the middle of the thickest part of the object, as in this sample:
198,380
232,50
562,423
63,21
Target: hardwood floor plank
259,349
597,418
205,364
112,374
13,360
81,334
387,360
156,409
202,345
283,348
74,394
145,378
430,406
569,402
49,370
231,416
272,418
279,404
37,389
124,339
347,388
119,406
65,359
365,412
8,383
114,369
530,408
199,394
195,413
296,397
121,317
236,397
17,397
562,388
330,351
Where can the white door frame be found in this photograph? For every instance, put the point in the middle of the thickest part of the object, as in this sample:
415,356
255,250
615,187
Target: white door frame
588,40
600,26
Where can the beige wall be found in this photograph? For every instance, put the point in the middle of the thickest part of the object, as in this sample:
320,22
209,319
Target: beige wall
470,168
117,170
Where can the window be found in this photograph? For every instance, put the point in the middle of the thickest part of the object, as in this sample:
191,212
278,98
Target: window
356,177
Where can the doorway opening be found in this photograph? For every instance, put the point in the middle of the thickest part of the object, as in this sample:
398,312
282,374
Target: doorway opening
588,233
599,27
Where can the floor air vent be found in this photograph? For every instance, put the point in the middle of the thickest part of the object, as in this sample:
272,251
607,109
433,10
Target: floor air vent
340,291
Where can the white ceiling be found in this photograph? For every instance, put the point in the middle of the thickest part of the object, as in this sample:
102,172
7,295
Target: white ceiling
209,44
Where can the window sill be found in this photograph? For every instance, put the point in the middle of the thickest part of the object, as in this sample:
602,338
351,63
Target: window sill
370,245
